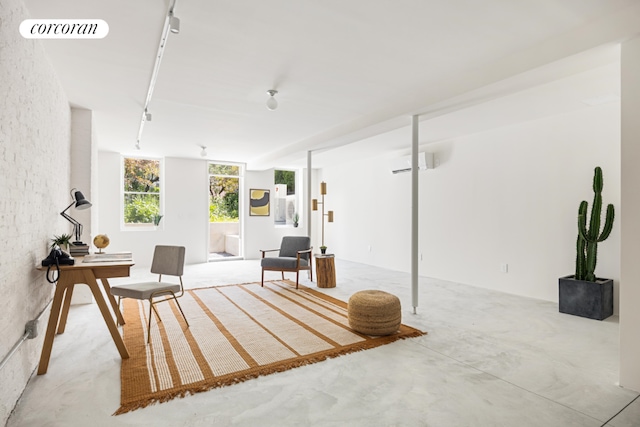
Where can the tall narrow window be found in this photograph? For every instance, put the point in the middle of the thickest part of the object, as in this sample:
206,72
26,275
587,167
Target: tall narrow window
141,191
284,200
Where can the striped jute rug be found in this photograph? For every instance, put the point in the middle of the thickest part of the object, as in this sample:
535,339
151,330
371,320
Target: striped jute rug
236,333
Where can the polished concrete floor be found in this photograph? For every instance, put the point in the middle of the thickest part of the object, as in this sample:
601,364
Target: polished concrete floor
489,359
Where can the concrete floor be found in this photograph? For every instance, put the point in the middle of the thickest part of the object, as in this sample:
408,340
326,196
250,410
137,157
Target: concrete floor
490,359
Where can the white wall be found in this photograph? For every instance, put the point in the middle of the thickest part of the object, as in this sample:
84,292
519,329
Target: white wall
83,178
509,195
186,210
34,184
81,160
630,244
260,232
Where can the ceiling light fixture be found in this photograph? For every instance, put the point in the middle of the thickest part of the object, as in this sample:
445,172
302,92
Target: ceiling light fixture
203,153
272,102
171,24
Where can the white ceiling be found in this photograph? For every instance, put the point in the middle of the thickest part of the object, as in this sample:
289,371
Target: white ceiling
348,72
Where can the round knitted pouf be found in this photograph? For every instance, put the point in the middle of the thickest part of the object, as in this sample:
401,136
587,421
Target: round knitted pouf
374,312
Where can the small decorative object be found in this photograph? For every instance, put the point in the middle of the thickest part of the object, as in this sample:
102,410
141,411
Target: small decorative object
156,219
584,294
259,203
329,214
323,249
62,241
101,241
296,219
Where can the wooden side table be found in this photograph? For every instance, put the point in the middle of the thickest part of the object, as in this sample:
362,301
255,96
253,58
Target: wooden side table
325,270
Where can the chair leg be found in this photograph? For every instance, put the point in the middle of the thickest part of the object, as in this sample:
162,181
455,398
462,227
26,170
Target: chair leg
155,311
297,277
151,308
262,281
182,312
282,274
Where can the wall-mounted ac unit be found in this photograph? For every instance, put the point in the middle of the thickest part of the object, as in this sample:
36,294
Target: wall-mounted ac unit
403,164
290,208
279,203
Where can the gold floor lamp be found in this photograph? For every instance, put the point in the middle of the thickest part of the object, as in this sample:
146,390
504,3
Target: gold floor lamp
329,214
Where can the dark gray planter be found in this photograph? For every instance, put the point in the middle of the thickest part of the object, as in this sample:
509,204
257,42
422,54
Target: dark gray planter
587,299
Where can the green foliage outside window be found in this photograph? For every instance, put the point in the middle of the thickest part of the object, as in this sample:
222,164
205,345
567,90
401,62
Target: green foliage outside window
141,190
141,208
227,170
286,177
223,193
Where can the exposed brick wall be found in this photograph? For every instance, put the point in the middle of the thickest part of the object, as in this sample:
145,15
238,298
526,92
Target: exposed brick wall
34,188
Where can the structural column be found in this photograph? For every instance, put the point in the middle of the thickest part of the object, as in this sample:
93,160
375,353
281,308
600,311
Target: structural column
308,195
414,212
630,217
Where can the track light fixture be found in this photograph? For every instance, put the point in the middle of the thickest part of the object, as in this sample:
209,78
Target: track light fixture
203,153
174,23
171,25
272,102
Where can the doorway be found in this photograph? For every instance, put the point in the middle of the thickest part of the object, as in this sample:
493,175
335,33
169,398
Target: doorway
225,228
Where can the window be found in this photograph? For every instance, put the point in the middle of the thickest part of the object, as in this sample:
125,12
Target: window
285,201
141,191
224,185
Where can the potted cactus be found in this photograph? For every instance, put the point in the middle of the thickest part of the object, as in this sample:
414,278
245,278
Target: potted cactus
584,294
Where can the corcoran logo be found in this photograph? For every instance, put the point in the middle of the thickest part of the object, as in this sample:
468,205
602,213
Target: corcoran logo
64,29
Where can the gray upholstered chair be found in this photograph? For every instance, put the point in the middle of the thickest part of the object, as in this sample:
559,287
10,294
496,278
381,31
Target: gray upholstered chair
167,260
294,255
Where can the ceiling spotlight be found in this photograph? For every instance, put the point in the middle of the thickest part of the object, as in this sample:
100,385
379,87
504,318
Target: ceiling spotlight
147,116
203,153
272,103
138,145
174,23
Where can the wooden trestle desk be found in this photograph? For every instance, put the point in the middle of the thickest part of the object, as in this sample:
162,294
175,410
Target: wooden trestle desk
86,273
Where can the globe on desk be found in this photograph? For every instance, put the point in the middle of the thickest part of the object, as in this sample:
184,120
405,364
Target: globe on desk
101,241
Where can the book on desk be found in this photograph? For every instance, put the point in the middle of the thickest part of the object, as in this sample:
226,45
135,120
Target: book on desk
109,257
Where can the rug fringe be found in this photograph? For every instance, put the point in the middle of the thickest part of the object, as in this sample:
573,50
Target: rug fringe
140,402
266,370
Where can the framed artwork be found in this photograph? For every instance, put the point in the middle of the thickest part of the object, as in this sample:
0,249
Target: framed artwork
259,202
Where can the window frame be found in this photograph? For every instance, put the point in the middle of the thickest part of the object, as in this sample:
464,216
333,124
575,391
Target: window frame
141,226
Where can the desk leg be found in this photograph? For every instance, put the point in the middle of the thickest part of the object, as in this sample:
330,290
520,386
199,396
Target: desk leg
90,280
65,309
51,327
114,303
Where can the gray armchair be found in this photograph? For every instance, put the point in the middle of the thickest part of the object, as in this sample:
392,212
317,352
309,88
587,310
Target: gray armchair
294,255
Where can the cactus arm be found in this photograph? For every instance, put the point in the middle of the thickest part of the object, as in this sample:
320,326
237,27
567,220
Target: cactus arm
581,243
580,259
582,220
608,223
